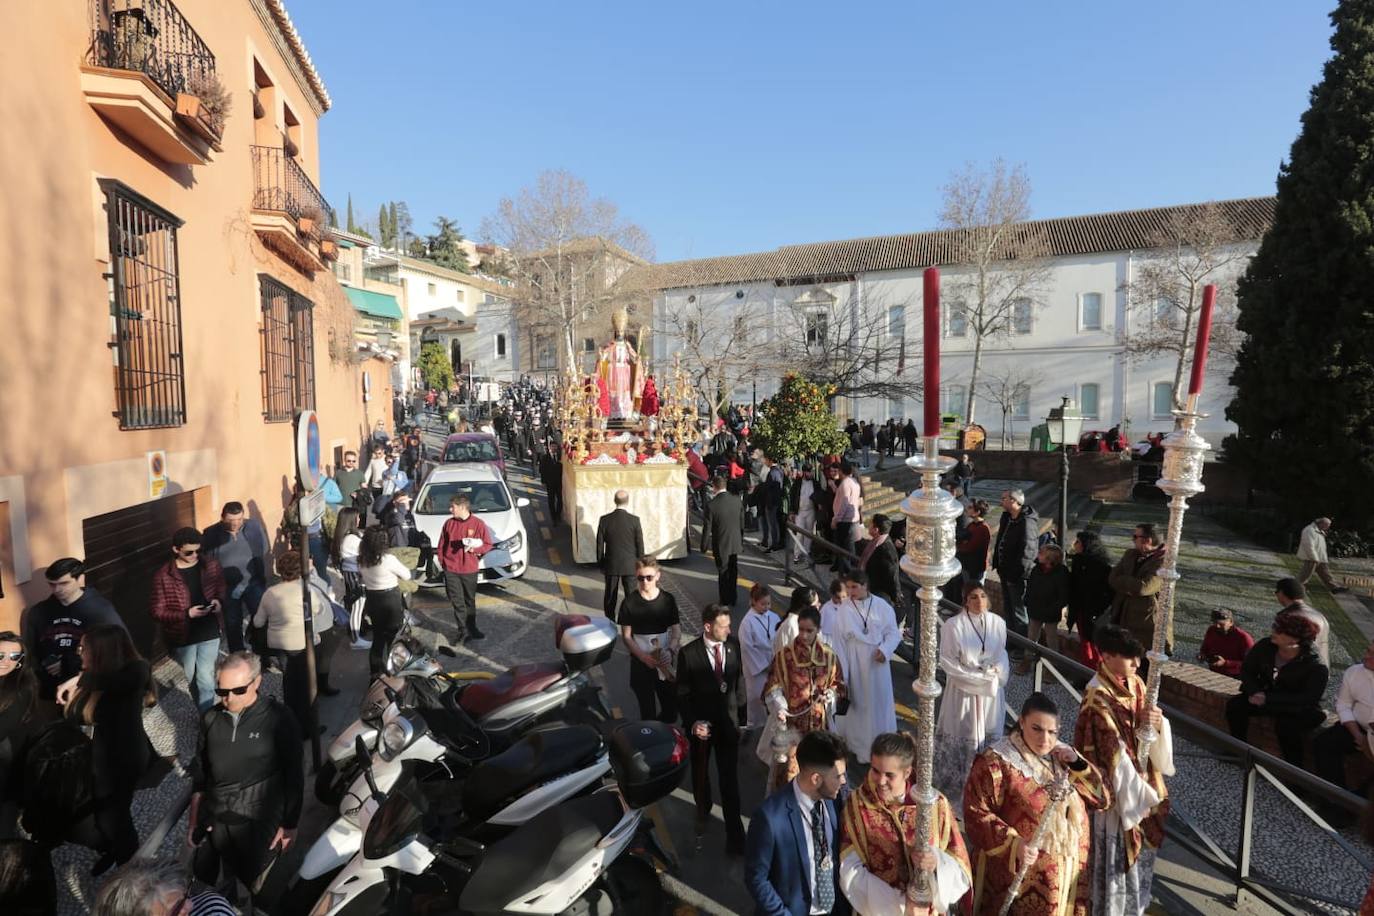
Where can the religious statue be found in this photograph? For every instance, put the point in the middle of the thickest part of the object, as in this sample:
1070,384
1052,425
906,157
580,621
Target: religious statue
620,368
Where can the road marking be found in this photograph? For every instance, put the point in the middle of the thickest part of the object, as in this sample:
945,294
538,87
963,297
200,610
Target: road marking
746,583
544,533
539,514
565,586
555,559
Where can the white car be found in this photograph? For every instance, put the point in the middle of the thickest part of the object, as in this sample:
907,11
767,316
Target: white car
491,502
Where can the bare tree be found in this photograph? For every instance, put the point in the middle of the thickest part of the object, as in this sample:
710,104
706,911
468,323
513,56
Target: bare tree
566,251
723,342
1009,385
1005,257
1196,246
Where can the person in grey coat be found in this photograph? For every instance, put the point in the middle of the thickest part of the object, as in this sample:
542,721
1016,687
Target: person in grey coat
1013,556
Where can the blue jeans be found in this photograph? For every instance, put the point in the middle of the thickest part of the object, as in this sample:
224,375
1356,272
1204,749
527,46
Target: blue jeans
320,555
198,661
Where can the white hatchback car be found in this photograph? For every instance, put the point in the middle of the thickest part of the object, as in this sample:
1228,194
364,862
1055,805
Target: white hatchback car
491,502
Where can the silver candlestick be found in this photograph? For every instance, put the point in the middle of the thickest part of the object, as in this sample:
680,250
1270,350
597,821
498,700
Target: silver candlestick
1184,454
931,513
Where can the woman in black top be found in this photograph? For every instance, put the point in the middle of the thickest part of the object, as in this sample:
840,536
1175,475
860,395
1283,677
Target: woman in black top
109,695
650,628
20,718
1282,677
1090,592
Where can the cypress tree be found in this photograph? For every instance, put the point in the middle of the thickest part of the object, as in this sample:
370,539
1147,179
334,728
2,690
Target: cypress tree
352,226
382,229
1304,377
395,229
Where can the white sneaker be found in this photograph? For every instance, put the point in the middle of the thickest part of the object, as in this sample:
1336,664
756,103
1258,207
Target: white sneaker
361,643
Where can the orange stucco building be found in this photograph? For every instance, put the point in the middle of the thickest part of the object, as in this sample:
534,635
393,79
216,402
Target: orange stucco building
167,290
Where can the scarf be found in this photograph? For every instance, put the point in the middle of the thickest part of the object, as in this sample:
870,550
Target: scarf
873,545
1064,831
883,835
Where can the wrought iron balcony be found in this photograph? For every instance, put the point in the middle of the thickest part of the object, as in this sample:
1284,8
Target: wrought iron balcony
150,37
280,184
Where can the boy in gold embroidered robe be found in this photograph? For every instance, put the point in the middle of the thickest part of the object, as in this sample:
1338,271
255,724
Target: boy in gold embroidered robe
803,686
1008,796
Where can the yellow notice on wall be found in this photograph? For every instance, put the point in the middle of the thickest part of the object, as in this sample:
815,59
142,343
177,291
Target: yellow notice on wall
157,473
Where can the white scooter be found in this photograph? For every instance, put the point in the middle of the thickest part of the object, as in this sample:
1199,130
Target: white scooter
566,859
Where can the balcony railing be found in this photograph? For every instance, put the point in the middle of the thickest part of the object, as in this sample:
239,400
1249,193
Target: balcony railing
279,183
150,37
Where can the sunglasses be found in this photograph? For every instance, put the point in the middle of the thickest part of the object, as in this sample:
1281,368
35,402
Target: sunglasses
648,578
13,656
236,691
190,553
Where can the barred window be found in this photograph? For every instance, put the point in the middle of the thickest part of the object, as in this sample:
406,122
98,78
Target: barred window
145,310
288,351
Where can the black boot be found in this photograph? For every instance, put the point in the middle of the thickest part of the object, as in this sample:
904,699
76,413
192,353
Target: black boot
473,632
323,689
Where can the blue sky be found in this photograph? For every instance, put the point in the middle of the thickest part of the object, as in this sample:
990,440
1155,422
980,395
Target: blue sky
724,128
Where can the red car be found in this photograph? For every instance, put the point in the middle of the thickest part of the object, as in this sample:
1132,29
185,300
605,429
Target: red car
469,448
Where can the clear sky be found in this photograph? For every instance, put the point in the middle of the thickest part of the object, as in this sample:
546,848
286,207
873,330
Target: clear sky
724,128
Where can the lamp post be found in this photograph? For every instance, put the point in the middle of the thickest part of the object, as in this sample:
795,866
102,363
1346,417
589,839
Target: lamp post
1065,425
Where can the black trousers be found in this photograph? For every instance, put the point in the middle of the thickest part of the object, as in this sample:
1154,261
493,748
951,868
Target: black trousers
846,536
1331,747
1291,726
295,687
614,583
387,613
236,851
556,502
461,589
727,578
109,828
724,742
650,690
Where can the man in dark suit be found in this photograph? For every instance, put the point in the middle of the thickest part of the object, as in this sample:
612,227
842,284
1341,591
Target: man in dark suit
710,696
791,863
619,543
880,559
722,529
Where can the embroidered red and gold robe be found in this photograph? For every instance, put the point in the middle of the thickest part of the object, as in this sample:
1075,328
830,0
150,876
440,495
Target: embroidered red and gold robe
801,680
1004,800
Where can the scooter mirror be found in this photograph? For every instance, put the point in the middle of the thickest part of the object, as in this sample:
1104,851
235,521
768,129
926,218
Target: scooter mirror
447,651
360,748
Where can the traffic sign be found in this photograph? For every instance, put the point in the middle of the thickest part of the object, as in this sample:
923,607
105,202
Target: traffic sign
312,507
308,449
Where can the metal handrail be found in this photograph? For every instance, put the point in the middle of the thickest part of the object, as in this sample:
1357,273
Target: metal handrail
150,37
279,183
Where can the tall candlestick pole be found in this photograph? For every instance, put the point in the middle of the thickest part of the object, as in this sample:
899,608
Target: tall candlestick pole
931,342
1204,338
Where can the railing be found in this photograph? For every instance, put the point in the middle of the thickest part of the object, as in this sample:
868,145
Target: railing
1254,763
149,37
279,183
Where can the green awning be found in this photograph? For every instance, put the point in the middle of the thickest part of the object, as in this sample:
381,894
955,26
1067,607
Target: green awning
345,243
380,305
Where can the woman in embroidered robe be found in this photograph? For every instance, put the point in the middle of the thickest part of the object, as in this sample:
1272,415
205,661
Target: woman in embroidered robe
803,687
1008,795
878,847
973,655
1127,835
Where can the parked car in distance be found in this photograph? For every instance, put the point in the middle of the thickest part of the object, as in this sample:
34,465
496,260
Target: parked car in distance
491,501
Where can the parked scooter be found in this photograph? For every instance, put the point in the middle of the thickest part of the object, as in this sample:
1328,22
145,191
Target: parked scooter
566,859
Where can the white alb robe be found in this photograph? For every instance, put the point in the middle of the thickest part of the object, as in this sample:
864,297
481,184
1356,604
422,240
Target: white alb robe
830,613
756,647
788,631
872,708
973,705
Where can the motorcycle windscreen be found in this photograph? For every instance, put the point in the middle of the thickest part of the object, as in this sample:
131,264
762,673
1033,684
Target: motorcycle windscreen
398,821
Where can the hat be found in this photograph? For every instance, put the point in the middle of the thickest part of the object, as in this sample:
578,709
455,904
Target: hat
1222,613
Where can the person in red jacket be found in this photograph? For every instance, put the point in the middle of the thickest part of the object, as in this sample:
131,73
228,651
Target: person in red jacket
462,543
188,600
1225,645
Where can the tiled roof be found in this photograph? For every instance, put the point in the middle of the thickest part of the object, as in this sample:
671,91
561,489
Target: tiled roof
293,40
1126,230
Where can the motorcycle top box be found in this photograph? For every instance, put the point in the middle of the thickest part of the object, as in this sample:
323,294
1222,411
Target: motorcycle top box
584,641
649,759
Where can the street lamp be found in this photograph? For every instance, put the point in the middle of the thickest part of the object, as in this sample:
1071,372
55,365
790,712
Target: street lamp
1065,425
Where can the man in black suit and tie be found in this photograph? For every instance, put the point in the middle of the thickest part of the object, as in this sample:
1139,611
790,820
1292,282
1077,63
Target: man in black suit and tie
619,543
710,696
791,867
723,530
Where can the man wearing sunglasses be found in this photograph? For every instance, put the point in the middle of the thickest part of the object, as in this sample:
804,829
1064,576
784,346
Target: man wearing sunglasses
247,781
187,599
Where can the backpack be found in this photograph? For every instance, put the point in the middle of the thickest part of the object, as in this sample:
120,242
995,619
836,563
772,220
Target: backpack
58,786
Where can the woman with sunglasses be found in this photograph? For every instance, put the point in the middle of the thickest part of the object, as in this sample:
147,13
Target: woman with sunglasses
109,696
20,718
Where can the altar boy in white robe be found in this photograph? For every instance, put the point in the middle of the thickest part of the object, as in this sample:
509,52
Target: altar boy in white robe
866,634
756,647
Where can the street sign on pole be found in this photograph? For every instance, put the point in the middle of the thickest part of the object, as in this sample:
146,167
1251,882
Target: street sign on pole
308,449
312,507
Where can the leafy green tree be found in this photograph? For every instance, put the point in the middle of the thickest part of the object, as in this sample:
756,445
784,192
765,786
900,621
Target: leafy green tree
352,226
445,246
417,248
797,423
1304,377
435,368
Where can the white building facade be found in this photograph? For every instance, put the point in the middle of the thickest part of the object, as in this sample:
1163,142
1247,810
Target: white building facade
1067,339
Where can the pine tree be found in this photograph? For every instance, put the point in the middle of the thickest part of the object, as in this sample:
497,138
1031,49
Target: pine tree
445,246
1304,377
352,226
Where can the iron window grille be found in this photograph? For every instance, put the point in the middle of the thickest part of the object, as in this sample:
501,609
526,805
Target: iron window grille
145,310
288,351
150,37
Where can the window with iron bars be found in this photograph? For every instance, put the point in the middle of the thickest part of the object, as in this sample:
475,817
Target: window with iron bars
145,310
288,351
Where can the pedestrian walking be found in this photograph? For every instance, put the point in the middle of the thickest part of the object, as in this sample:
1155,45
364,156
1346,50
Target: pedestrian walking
349,480
348,540
1047,594
187,600
756,645
1312,553
465,539
710,697
551,473
722,532
53,627
619,545
239,545
865,636
382,575
770,506
652,631
909,438
847,509
282,612
1136,582
1090,592
247,781
804,514
1013,556
881,561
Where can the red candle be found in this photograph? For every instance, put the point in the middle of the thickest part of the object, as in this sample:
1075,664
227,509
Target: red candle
1204,336
932,351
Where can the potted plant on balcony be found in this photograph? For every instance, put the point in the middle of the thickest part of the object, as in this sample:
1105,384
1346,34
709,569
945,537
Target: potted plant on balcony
204,106
329,249
133,36
289,146
311,218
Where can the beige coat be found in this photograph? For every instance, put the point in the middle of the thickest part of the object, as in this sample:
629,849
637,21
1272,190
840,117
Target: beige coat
1136,597
280,612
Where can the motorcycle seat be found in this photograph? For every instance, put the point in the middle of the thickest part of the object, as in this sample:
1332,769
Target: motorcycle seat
485,696
540,851
531,761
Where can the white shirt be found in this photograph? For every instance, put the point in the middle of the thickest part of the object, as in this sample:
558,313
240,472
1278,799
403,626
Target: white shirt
348,552
385,575
806,804
1355,698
